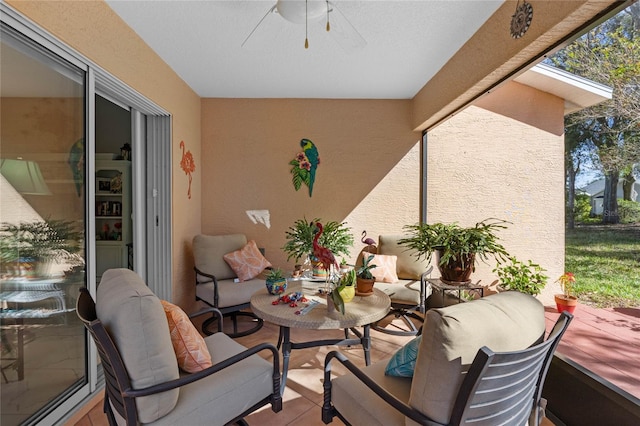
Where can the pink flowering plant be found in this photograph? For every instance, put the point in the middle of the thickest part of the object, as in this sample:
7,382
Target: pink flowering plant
566,281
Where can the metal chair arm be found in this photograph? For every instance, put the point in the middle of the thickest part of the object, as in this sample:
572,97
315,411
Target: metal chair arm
423,289
215,284
215,311
185,380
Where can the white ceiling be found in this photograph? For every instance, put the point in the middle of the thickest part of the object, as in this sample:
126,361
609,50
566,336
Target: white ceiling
407,43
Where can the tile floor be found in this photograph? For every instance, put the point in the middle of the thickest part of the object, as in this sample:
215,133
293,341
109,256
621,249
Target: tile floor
605,341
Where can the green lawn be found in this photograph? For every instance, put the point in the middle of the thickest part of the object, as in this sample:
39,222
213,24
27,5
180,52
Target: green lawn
606,263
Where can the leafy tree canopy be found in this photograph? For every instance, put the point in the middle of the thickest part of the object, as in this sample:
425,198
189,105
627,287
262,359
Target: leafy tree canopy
607,134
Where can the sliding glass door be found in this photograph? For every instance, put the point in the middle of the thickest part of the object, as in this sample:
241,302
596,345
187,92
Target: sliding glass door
43,228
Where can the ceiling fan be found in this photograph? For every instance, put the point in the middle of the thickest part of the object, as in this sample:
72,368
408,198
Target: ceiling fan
310,11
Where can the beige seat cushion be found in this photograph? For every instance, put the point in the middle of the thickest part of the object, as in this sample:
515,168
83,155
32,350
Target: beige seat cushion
453,335
360,406
404,291
209,251
230,293
220,397
136,321
409,269
409,266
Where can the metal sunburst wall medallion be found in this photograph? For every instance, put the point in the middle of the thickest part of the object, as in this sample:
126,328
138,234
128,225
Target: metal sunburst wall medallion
521,19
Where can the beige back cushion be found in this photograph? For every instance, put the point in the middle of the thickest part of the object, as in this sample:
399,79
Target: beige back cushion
409,266
208,252
453,335
137,324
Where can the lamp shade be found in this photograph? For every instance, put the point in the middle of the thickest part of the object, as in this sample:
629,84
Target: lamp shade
297,10
24,176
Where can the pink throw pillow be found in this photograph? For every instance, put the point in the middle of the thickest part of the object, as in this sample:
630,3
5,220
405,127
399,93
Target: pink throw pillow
189,346
385,270
247,262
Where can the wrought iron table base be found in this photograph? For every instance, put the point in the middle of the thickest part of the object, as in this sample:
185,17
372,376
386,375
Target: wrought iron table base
284,340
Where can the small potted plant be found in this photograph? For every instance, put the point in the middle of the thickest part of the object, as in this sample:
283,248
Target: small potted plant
40,244
528,278
566,301
365,279
275,281
457,248
344,267
347,286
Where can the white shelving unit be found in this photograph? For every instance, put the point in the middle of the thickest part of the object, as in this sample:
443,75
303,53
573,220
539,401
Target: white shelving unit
113,214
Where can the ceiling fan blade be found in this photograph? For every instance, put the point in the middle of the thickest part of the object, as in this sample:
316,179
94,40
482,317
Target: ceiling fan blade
343,31
271,10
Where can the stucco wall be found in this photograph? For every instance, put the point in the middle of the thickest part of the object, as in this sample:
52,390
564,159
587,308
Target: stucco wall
500,158
94,30
369,173
503,158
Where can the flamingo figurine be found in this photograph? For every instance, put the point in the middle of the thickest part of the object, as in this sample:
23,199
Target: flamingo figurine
327,259
367,241
323,254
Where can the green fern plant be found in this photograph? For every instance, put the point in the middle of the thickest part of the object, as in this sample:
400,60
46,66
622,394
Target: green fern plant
525,277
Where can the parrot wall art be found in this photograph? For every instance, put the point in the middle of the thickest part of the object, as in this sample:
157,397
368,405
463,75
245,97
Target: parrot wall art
76,162
305,165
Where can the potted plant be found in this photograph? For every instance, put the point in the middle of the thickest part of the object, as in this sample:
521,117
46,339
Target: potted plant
32,247
275,281
344,267
347,286
336,236
456,247
519,276
566,301
364,277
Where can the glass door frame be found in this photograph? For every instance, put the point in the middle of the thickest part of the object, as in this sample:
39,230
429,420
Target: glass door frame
151,189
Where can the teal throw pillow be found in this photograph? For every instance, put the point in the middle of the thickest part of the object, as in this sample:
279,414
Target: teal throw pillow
403,362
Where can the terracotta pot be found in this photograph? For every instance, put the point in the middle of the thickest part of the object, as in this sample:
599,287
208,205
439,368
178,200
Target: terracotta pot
453,271
364,287
566,303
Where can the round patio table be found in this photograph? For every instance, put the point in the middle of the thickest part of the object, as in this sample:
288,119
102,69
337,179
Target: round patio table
360,312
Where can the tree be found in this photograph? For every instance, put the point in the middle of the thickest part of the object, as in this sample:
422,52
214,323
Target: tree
576,151
608,54
628,179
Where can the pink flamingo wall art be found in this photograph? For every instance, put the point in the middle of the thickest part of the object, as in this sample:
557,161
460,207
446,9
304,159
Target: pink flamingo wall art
188,165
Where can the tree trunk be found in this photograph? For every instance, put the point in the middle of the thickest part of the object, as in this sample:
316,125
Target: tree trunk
571,195
627,186
610,199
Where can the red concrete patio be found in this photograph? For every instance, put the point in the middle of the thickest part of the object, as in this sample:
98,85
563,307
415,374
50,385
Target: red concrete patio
606,342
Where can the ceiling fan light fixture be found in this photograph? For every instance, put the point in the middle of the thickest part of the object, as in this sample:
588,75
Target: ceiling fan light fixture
303,11
328,25
297,11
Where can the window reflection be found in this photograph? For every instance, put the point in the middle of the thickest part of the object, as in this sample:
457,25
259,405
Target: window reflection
42,228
